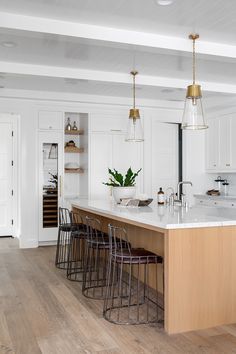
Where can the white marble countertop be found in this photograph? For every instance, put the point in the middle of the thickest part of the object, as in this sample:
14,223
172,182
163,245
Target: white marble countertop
164,217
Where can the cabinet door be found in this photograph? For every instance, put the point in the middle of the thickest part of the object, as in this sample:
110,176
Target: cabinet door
49,120
212,145
233,142
127,154
99,161
225,162
108,123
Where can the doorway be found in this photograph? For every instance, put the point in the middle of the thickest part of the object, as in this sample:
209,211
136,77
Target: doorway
8,161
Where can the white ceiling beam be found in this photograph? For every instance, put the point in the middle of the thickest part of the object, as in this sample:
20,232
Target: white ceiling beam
93,100
106,76
79,30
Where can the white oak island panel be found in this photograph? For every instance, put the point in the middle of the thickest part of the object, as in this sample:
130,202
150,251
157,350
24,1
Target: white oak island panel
198,246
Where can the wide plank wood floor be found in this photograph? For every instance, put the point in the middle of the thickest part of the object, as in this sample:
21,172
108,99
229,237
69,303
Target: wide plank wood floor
42,312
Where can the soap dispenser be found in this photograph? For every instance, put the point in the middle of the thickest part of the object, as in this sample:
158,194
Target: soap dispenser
160,197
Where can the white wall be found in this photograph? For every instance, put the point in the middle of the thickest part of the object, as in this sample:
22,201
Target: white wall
28,155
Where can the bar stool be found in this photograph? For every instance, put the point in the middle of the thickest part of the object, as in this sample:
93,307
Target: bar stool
63,239
129,299
95,263
76,248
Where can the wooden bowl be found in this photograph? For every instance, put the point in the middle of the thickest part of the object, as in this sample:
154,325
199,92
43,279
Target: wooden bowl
145,202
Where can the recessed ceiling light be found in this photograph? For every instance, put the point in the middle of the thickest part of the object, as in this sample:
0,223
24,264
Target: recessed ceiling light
167,90
165,2
9,44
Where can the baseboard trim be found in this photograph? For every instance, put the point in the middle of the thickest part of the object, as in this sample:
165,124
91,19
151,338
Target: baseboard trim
47,243
30,243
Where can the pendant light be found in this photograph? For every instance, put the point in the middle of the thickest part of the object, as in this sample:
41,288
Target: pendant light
134,130
193,117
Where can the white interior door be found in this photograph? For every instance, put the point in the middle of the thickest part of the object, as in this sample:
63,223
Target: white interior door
6,179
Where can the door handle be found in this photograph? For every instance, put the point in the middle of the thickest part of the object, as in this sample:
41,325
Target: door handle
60,186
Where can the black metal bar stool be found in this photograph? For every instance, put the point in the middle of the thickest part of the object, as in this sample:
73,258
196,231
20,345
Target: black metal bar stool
63,240
95,263
76,248
129,299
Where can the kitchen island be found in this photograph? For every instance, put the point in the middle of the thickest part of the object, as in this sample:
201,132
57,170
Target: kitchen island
199,247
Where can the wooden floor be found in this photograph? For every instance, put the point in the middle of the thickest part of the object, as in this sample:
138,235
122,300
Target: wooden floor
42,312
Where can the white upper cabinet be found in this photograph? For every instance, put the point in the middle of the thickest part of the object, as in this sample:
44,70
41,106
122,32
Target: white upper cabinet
225,144
108,123
221,145
212,145
50,120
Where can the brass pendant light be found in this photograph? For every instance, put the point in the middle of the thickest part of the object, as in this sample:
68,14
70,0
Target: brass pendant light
193,116
134,130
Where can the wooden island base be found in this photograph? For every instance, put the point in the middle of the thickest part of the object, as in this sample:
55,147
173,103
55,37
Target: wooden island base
199,267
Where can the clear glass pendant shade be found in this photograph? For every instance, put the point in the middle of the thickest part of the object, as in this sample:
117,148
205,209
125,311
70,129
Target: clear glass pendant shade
193,117
134,130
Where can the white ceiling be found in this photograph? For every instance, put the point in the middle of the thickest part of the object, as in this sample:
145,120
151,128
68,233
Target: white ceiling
43,59
214,18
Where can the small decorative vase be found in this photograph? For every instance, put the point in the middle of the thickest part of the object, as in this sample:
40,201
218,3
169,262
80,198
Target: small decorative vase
123,192
68,126
74,126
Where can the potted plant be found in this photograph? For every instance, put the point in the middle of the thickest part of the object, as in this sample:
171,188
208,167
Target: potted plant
123,186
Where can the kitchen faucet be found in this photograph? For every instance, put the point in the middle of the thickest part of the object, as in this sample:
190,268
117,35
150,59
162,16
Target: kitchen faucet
170,198
180,198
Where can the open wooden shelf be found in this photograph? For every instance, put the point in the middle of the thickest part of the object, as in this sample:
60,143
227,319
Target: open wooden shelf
74,132
73,149
74,170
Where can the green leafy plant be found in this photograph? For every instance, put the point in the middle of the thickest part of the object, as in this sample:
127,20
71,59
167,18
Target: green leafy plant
118,180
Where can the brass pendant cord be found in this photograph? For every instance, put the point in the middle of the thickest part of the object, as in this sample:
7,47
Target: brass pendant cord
134,90
194,37
194,62
134,73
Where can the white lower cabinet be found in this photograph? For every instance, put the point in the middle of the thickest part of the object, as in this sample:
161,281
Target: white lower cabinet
109,149
214,202
221,145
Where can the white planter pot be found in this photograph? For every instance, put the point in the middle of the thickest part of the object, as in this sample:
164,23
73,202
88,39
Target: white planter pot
123,192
